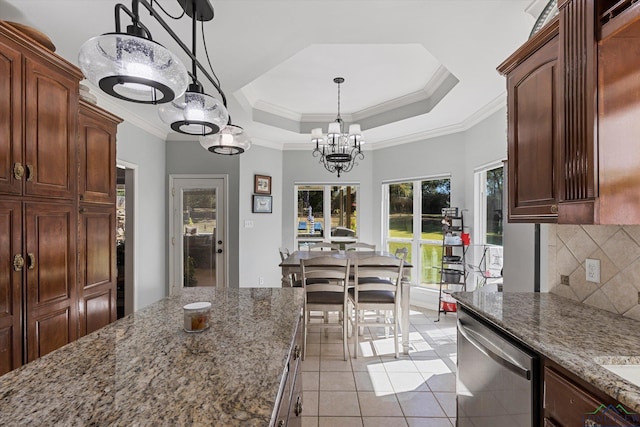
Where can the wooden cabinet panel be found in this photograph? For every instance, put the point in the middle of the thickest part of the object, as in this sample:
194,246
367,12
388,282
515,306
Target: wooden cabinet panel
97,154
51,297
97,272
566,404
10,286
11,129
533,128
51,108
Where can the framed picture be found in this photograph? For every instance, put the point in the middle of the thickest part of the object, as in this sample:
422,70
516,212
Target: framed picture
261,204
262,184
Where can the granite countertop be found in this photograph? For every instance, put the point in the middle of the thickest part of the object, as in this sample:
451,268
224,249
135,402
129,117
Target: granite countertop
576,336
144,370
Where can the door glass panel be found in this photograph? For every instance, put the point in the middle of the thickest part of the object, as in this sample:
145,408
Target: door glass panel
343,211
199,235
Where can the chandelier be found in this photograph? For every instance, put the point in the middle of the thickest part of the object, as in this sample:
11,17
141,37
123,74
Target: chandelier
338,150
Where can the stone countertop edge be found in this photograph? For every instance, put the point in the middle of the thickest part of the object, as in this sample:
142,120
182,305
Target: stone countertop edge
145,370
575,336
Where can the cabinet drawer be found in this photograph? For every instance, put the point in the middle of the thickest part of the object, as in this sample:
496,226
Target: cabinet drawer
566,404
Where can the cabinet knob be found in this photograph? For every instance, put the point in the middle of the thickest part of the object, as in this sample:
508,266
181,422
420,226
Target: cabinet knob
18,170
281,423
298,408
296,352
554,209
18,262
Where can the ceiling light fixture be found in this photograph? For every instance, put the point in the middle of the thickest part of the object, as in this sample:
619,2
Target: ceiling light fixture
133,67
195,112
230,140
341,149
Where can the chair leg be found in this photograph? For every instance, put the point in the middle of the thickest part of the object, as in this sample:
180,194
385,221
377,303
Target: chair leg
305,319
345,327
395,332
356,335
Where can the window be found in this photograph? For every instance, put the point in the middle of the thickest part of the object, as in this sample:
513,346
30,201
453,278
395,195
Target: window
413,220
326,207
489,183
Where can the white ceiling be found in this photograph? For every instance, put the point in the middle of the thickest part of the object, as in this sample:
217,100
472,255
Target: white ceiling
412,68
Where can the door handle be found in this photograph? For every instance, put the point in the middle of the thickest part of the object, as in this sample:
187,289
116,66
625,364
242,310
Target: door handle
18,170
30,173
32,261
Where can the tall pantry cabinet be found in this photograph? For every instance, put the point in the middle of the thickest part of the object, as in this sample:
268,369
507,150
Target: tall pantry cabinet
40,294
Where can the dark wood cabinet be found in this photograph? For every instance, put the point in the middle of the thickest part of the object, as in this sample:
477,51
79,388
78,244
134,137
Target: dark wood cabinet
51,312
97,154
97,288
11,278
567,404
533,128
97,262
592,176
57,278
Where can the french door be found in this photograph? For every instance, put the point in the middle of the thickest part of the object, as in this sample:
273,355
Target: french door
198,243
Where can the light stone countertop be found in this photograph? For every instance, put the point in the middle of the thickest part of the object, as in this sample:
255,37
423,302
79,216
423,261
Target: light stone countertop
576,336
144,370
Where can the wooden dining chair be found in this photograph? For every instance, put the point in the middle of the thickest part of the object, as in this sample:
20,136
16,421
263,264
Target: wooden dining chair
293,280
376,287
359,246
323,246
330,296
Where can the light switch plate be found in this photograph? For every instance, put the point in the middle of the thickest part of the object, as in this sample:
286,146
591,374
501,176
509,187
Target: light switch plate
592,266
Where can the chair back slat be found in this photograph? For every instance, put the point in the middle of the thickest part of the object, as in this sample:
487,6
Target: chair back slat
323,246
359,246
369,273
334,270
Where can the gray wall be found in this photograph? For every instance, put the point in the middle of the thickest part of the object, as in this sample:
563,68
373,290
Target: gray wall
259,244
147,154
301,167
188,157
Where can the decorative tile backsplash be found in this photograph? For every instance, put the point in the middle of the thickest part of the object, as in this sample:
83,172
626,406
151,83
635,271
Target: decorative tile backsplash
617,248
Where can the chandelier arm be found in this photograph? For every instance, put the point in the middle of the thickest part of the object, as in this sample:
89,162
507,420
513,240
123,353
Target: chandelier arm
135,18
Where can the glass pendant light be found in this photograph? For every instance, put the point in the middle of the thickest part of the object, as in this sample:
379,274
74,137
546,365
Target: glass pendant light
133,68
229,141
195,113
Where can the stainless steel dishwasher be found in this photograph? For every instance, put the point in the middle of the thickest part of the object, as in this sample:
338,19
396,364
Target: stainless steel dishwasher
498,381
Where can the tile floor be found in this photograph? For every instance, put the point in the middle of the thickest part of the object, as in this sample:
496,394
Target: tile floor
378,390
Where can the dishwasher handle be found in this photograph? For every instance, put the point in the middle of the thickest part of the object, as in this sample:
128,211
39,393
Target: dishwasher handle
494,353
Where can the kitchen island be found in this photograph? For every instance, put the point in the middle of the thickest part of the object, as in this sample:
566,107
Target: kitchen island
571,336
145,370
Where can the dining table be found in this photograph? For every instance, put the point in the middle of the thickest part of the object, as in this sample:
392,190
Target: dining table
291,266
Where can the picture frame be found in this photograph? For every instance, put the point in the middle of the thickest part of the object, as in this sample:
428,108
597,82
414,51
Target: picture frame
261,204
262,184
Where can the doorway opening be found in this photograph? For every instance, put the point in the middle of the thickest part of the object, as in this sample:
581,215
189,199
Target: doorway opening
125,236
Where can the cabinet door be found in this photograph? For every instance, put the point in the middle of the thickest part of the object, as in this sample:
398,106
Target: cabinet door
97,272
10,286
97,155
51,108
11,114
51,302
533,136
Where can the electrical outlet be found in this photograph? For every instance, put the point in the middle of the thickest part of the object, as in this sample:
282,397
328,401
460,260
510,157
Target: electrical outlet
248,223
592,266
564,280
260,280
